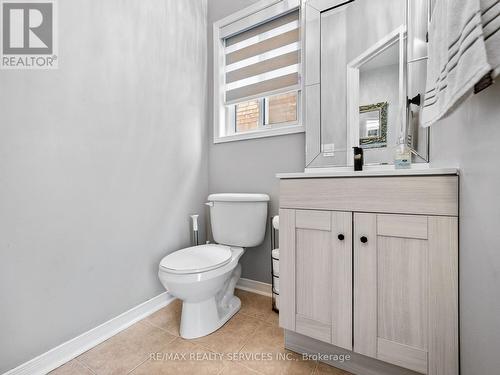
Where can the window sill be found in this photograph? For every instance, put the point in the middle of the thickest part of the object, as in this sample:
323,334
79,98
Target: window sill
263,133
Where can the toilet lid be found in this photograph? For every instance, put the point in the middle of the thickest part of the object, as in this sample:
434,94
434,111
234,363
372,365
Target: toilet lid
197,259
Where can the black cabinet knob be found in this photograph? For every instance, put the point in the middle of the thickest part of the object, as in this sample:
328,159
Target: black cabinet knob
363,239
341,237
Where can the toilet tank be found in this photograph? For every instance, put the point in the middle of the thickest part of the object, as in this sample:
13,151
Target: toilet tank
238,219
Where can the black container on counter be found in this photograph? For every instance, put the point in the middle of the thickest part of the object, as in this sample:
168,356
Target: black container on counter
358,158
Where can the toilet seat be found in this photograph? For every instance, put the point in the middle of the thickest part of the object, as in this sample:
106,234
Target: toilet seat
197,259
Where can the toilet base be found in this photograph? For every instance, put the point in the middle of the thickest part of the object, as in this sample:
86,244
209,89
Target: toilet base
202,318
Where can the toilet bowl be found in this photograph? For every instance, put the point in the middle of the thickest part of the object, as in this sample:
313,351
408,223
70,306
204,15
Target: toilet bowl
204,276
207,292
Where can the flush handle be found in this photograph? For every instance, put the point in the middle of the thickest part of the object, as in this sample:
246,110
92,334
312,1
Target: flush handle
363,239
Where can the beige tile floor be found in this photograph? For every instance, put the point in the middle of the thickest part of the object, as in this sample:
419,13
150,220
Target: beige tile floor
252,331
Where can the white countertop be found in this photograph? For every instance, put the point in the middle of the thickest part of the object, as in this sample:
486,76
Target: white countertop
370,172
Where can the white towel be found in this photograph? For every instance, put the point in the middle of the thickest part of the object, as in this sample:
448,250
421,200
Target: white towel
458,57
490,18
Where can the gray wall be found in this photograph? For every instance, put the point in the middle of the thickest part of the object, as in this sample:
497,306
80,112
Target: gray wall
101,162
469,139
249,166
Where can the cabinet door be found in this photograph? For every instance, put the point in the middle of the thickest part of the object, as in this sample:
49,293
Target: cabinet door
406,291
316,274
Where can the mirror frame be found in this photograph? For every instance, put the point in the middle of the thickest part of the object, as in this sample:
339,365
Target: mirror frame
381,140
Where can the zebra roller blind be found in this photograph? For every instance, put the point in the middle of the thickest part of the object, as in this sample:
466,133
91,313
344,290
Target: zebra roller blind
263,60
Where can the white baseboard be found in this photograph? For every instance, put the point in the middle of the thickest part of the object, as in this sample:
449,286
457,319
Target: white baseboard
65,352
255,287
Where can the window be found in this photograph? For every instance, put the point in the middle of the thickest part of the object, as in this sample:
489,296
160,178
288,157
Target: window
281,109
247,116
257,70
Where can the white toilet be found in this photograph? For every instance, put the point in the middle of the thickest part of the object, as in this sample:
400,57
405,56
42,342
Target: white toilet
204,276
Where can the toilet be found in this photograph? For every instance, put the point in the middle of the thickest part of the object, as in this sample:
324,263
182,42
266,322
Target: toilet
204,276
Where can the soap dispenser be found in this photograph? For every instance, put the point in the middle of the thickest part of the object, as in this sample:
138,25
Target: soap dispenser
402,156
358,158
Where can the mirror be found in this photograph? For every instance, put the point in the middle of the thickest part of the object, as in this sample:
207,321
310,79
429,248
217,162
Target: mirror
417,138
373,125
356,81
375,89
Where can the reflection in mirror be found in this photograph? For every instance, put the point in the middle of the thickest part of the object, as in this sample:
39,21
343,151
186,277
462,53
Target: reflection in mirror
379,77
373,125
369,124
375,84
417,138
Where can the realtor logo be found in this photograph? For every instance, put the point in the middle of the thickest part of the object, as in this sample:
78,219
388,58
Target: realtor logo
28,34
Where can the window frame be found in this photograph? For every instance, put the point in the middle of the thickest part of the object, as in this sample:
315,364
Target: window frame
224,119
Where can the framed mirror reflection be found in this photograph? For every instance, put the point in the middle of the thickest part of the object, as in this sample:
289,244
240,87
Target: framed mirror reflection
373,125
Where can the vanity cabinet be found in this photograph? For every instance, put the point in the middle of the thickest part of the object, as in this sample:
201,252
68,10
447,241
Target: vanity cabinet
321,305
405,290
372,268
